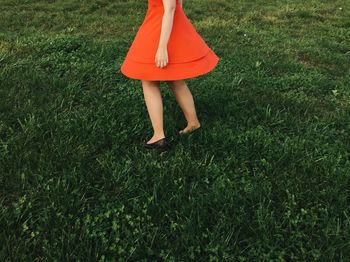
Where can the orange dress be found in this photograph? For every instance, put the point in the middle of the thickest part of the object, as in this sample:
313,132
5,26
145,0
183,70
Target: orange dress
188,54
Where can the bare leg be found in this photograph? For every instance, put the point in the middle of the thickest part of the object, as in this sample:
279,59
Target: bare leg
185,100
154,103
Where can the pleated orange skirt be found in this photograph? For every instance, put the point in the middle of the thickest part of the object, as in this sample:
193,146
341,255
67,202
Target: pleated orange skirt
188,54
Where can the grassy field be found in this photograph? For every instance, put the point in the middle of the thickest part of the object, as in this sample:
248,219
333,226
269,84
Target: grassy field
266,178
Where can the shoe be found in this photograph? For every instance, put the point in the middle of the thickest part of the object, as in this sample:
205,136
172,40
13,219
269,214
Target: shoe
161,144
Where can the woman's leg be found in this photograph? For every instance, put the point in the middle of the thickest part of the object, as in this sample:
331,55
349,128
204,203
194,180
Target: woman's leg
185,100
154,103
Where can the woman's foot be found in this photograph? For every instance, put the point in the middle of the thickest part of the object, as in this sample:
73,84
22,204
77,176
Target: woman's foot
154,139
190,128
161,144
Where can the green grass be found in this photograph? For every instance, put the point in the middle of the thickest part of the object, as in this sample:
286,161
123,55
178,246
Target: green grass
266,178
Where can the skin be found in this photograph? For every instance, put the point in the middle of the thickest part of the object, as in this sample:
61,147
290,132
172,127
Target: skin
151,89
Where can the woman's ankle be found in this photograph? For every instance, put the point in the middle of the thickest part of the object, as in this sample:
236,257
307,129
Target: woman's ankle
158,136
193,123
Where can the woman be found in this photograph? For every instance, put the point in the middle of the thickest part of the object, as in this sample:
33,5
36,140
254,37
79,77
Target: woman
167,48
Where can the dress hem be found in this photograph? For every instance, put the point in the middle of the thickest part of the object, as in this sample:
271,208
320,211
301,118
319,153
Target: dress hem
173,71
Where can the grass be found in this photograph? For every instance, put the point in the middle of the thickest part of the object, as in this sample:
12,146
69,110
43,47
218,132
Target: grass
266,177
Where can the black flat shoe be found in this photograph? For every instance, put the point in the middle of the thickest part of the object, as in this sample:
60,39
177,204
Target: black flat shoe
161,144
